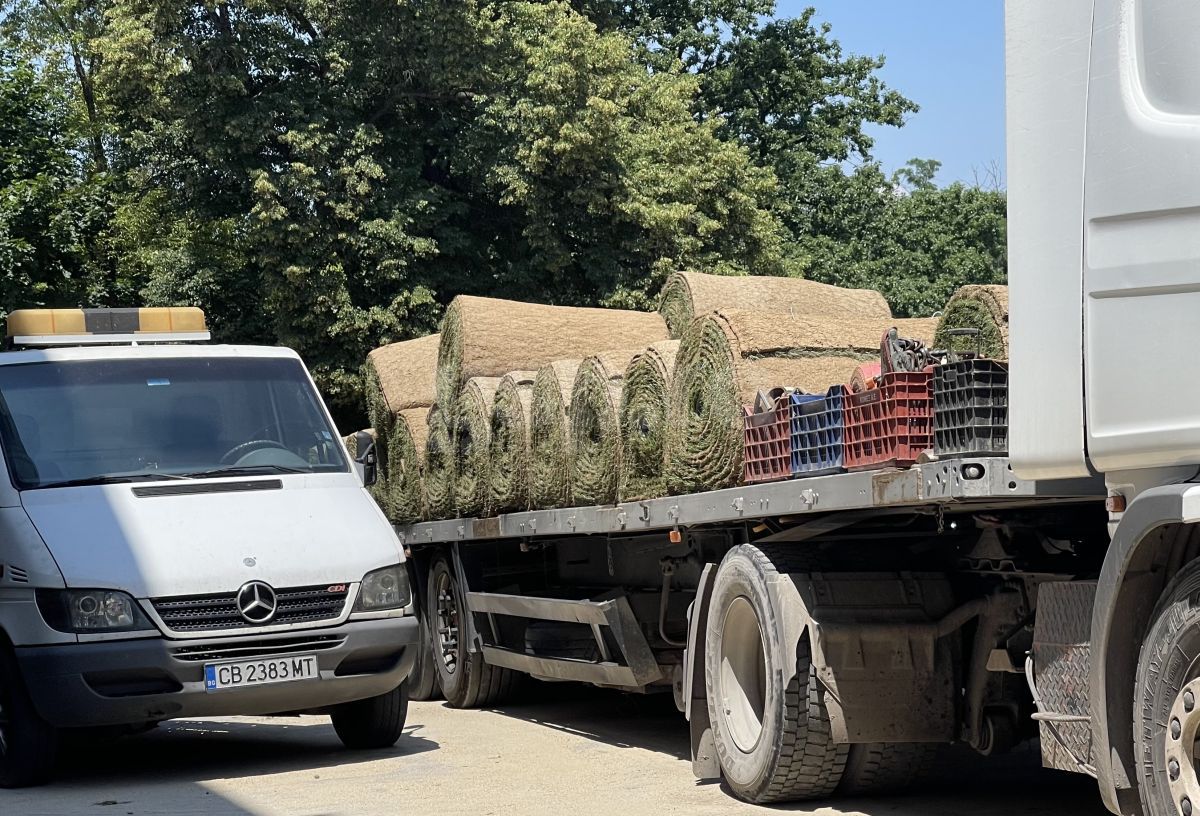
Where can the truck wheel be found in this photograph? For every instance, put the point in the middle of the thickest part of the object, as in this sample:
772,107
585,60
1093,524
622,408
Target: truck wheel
1167,703
773,741
376,722
423,681
28,744
887,767
466,680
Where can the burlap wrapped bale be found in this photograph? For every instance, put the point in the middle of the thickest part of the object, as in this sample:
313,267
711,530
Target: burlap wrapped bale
472,439
508,474
484,337
688,294
549,436
439,466
976,307
400,387
727,357
645,394
595,428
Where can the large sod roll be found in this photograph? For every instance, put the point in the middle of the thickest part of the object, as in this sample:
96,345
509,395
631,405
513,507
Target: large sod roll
407,372
472,438
439,466
484,337
645,394
976,307
595,435
508,475
688,294
727,357
549,435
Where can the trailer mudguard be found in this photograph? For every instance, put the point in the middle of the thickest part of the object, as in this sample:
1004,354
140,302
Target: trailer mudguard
1128,591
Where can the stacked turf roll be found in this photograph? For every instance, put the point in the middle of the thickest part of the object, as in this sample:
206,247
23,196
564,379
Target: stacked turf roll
400,388
983,309
726,357
485,337
549,436
645,395
508,473
472,438
689,294
595,433
439,465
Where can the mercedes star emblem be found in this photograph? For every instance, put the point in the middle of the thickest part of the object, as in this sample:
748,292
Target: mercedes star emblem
257,602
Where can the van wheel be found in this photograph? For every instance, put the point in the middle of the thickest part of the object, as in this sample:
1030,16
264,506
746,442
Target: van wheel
376,722
773,740
423,681
28,744
466,680
1166,723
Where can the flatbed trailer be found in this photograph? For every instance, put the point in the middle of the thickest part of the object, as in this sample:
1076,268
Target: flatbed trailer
902,600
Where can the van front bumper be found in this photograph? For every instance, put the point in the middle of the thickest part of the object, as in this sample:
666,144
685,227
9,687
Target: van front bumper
124,682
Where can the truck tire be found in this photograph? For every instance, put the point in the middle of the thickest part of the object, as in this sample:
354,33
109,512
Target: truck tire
887,767
466,679
373,723
28,744
773,742
423,681
1166,708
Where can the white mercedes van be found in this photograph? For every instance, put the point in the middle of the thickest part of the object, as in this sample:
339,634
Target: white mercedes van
183,534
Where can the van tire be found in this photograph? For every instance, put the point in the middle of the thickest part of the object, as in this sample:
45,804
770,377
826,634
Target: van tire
373,723
466,679
30,744
774,741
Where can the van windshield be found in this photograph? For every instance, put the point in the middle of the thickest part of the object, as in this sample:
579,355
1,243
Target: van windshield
96,421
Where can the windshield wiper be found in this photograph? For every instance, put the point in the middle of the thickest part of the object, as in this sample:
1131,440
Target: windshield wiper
244,470
114,478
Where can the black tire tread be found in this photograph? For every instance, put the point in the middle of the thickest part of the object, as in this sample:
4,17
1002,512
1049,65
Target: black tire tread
34,764
373,723
888,767
423,682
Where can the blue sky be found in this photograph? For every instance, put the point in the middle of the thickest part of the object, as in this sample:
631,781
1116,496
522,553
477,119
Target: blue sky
948,56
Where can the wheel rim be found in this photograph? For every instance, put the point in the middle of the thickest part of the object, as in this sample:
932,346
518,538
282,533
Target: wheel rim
1183,726
743,674
447,623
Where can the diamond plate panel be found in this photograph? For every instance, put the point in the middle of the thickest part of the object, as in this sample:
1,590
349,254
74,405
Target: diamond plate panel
1061,660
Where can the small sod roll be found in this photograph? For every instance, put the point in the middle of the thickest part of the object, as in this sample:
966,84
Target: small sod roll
472,431
645,394
485,337
549,436
508,475
439,466
688,294
727,357
984,308
406,457
595,434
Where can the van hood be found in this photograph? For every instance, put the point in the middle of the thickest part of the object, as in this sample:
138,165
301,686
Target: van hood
292,531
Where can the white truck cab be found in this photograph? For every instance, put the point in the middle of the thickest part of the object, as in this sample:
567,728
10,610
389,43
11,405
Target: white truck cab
183,534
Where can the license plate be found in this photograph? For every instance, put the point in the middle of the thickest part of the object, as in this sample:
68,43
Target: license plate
242,673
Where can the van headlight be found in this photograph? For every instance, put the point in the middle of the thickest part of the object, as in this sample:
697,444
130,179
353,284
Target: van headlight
385,588
84,611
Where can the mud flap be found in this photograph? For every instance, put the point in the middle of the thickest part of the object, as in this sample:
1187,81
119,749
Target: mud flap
704,750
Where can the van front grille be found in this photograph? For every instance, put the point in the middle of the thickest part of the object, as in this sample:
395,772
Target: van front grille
250,649
204,613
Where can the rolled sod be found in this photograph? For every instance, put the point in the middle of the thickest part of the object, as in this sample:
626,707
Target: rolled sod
406,460
688,294
645,394
727,357
976,307
439,466
508,474
549,435
595,434
407,372
484,337
472,428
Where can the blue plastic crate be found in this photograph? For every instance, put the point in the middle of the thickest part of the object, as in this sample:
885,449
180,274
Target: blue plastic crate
818,432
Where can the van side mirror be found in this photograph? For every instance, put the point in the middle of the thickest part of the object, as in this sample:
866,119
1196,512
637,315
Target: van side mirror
364,443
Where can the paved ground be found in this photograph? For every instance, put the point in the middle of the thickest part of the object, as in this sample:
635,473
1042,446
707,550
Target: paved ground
567,752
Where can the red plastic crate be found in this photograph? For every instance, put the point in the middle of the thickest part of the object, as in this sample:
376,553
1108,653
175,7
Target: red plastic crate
890,426
767,453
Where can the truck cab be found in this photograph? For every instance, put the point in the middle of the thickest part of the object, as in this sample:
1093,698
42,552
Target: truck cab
183,534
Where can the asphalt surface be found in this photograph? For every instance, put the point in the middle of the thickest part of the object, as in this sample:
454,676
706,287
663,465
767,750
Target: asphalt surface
564,751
